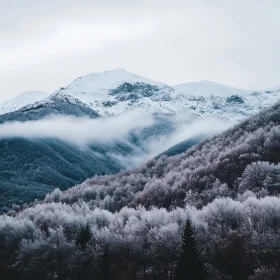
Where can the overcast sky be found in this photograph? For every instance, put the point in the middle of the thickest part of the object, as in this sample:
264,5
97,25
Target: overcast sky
47,44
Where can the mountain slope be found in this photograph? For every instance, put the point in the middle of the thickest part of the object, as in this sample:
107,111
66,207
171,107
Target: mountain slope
220,166
182,146
31,168
54,105
28,97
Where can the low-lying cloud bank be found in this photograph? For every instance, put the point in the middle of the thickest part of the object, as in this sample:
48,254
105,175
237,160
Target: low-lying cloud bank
204,127
86,131
79,131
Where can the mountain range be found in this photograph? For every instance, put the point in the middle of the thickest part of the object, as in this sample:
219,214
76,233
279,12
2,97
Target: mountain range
182,115
118,91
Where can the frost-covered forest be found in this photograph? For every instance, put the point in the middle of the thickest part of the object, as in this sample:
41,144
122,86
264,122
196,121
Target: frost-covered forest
216,206
236,238
241,160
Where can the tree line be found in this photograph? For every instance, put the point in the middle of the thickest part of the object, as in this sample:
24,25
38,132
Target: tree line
227,239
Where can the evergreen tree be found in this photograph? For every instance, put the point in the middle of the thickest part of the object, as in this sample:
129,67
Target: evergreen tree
105,266
84,236
190,265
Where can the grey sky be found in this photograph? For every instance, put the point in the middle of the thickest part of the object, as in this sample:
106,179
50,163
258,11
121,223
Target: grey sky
47,44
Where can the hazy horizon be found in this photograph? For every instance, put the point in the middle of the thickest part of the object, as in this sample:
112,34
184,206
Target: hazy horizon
46,45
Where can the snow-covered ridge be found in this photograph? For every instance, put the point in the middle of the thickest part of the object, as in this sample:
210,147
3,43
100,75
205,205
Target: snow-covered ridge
110,80
20,101
117,91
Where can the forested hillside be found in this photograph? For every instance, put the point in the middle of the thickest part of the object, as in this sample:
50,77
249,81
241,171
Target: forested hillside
31,167
216,205
244,158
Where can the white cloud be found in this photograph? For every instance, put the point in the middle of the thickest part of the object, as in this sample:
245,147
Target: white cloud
86,131
186,128
79,131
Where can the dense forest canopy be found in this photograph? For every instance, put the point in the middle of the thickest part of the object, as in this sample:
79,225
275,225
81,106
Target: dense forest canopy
236,238
219,198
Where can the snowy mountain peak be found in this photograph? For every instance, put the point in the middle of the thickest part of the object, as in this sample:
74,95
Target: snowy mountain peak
110,79
23,99
116,91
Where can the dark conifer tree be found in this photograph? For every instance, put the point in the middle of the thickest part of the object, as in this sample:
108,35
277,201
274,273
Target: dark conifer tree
86,255
190,265
105,272
84,236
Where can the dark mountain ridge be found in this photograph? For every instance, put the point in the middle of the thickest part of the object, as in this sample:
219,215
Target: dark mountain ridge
54,105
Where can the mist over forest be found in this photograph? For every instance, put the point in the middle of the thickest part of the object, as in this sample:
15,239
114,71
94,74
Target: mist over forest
152,222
